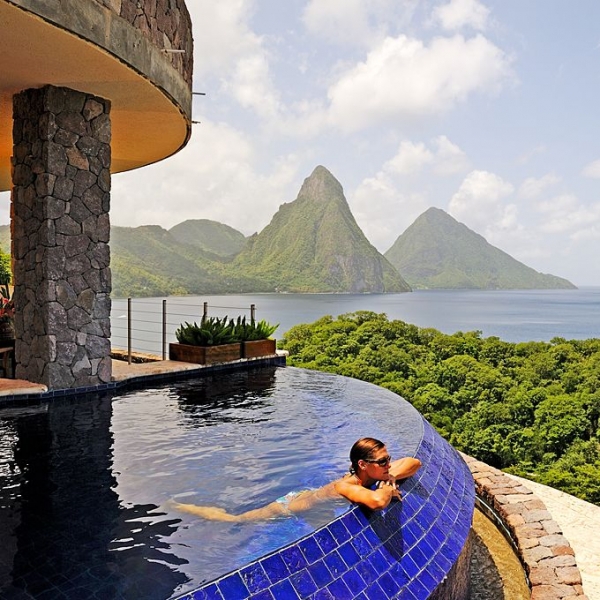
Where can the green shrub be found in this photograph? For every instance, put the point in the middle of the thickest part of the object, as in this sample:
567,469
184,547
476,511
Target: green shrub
254,330
212,331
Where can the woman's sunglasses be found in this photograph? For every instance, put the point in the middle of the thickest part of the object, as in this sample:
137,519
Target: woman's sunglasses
381,462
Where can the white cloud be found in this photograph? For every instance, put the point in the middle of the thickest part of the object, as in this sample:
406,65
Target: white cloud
339,21
450,159
226,48
357,22
533,187
403,78
214,177
592,170
566,214
409,159
4,208
221,34
530,154
462,13
480,204
383,211
444,158
252,87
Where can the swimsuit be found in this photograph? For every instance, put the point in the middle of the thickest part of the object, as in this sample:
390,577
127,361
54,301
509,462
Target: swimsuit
285,500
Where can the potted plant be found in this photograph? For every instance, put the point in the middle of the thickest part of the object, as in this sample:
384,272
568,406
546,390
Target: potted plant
7,315
212,341
255,337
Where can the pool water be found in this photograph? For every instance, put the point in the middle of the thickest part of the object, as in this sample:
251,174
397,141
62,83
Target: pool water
84,481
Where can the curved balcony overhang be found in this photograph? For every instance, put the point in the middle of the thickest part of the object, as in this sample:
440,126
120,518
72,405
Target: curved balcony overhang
84,46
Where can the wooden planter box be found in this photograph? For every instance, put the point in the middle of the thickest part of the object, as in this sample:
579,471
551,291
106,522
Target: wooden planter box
205,355
257,348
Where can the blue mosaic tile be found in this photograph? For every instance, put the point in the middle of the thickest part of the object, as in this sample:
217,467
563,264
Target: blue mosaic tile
374,592
419,591
428,581
284,591
396,546
378,561
320,574
354,581
255,578
310,550
339,531
210,593
366,572
354,521
349,555
335,564
323,594
293,559
275,568
398,574
410,535
427,549
371,537
361,544
389,585
233,588
339,590
304,584
420,558
264,595
325,540
436,570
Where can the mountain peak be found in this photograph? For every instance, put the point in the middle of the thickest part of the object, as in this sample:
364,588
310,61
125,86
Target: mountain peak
314,244
437,251
321,185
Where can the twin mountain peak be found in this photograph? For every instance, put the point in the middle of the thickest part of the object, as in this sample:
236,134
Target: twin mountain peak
313,244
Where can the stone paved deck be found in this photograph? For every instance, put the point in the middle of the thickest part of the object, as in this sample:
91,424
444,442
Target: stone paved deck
580,522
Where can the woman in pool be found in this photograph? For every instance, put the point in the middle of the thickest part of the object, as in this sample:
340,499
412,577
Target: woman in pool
370,482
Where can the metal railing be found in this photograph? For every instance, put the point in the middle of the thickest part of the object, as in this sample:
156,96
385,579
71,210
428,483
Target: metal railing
147,325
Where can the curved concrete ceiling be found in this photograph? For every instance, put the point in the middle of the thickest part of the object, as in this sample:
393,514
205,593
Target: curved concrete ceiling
147,123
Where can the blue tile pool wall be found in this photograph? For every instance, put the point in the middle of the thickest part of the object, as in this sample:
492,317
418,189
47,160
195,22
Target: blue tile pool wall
404,552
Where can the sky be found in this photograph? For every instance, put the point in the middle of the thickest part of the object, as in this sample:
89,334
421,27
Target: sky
486,109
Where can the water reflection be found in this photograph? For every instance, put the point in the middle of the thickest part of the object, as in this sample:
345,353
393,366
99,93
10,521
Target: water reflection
233,398
61,517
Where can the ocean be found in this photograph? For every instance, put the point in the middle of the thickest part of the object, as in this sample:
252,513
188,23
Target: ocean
514,316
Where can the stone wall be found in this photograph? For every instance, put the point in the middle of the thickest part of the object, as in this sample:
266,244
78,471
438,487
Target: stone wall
545,553
166,23
60,234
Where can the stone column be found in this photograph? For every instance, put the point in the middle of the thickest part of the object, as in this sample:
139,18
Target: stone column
60,233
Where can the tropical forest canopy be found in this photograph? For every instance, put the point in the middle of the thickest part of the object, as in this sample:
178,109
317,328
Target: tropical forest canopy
529,408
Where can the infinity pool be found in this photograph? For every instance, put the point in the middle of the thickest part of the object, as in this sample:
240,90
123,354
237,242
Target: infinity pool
84,481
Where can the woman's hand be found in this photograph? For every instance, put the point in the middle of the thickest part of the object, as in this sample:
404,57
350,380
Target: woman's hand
391,487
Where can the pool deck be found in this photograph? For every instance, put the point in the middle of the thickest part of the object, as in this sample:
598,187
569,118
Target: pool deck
577,519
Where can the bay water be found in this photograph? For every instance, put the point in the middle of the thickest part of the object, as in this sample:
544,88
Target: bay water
514,316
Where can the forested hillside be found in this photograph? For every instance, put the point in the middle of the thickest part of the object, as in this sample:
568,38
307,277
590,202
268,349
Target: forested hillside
314,244
149,261
529,408
210,236
438,252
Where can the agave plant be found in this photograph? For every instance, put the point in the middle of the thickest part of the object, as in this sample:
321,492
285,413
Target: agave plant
254,330
212,331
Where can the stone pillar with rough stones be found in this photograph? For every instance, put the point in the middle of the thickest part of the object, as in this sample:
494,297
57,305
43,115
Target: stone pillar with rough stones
60,234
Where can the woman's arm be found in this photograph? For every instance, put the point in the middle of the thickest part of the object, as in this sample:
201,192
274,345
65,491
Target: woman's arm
373,499
404,467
